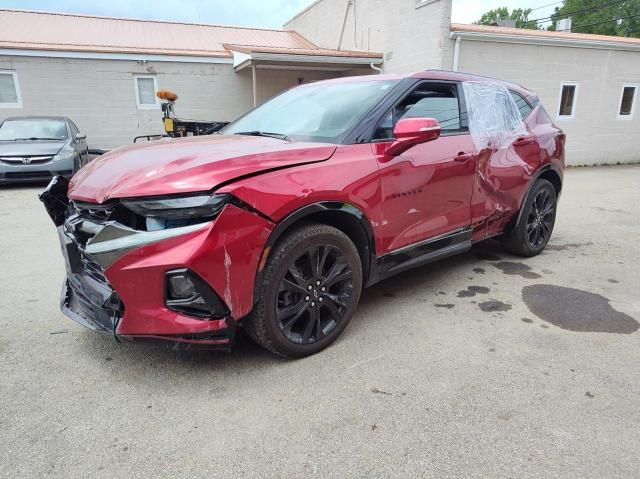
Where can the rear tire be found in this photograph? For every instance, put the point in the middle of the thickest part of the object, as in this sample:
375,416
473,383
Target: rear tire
309,292
535,226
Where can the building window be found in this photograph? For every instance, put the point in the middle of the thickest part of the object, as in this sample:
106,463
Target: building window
568,96
146,87
627,101
9,90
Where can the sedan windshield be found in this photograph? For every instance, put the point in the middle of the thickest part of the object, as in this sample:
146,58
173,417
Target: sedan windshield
320,112
33,129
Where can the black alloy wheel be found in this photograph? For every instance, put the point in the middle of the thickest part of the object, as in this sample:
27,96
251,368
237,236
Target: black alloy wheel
540,219
314,294
309,291
535,225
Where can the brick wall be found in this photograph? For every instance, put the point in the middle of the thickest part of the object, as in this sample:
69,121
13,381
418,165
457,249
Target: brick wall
99,95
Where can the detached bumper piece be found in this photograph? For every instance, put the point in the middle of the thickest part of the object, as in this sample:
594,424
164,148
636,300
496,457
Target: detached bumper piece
90,303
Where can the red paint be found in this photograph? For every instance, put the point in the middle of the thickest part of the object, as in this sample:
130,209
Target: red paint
186,165
138,276
437,184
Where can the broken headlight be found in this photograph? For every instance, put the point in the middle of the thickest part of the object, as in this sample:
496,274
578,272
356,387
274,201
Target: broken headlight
199,206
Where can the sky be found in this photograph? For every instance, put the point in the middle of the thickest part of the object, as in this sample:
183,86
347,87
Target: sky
255,13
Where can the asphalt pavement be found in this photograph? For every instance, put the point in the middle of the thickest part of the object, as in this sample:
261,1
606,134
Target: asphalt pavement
484,365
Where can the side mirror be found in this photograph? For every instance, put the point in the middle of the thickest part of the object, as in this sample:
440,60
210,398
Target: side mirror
410,132
81,136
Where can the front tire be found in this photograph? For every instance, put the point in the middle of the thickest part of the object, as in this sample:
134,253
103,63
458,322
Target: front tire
309,292
533,231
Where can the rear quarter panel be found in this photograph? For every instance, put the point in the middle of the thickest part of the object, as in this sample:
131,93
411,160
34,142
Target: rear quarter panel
504,176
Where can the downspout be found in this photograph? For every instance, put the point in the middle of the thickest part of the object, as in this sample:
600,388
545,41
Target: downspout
255,91
456,53
376,68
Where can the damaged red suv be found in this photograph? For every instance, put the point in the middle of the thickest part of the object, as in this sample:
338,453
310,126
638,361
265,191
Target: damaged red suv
277,223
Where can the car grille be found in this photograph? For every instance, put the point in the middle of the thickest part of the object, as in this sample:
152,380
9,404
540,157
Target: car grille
92,268
28,175
93,211
89,296
25,160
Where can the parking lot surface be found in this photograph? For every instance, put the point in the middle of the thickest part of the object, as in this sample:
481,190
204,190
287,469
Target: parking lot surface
484,365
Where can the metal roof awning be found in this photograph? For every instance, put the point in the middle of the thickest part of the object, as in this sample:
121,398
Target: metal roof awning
301,59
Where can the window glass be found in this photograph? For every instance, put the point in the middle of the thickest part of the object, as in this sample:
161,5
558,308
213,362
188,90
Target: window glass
146,91
628,98
522,105
567,99
314,112
33,129
8,92
428,100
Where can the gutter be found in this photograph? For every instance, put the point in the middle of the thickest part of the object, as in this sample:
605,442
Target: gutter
534,40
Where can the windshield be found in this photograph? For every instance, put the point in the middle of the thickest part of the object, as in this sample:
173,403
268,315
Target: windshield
317,112
33,129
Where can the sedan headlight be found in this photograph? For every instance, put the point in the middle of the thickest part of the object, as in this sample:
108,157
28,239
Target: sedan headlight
198,206
66,153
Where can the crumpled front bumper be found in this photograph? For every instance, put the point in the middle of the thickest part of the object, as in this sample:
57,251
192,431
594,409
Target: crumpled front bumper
117,284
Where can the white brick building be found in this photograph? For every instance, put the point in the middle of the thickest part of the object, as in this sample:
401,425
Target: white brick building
103,72
588,83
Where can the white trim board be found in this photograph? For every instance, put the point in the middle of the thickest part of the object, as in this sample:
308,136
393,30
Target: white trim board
112,56
530,40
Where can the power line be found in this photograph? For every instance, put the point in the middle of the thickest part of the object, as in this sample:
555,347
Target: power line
563,15
608,21
545,6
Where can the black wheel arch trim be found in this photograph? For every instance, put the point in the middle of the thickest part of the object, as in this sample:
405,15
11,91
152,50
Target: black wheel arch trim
535,177
307,211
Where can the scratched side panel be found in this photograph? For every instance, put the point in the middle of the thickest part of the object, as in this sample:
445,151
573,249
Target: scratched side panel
503,176
350,175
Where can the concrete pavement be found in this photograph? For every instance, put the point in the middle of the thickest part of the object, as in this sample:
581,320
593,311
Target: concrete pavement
484,365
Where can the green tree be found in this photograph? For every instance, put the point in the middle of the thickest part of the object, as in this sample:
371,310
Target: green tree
603,17
520,15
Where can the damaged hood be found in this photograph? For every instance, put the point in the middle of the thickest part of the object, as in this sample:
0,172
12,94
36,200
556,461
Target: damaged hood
187,165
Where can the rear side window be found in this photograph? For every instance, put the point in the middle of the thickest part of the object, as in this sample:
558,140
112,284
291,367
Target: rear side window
522,104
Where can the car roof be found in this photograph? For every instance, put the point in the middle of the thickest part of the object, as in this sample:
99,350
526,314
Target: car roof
444,75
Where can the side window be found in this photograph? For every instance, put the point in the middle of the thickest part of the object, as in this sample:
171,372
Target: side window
522,105
74,129
427,100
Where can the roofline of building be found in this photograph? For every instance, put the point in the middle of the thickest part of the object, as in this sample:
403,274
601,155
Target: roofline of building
89,55
301,12
509,35
129,19
326,52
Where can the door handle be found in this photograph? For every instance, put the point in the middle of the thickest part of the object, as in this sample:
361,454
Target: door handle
462,156
523,141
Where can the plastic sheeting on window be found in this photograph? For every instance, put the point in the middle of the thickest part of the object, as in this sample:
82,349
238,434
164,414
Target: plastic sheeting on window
494,118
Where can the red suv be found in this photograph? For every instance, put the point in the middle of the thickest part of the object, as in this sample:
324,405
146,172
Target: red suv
277,223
